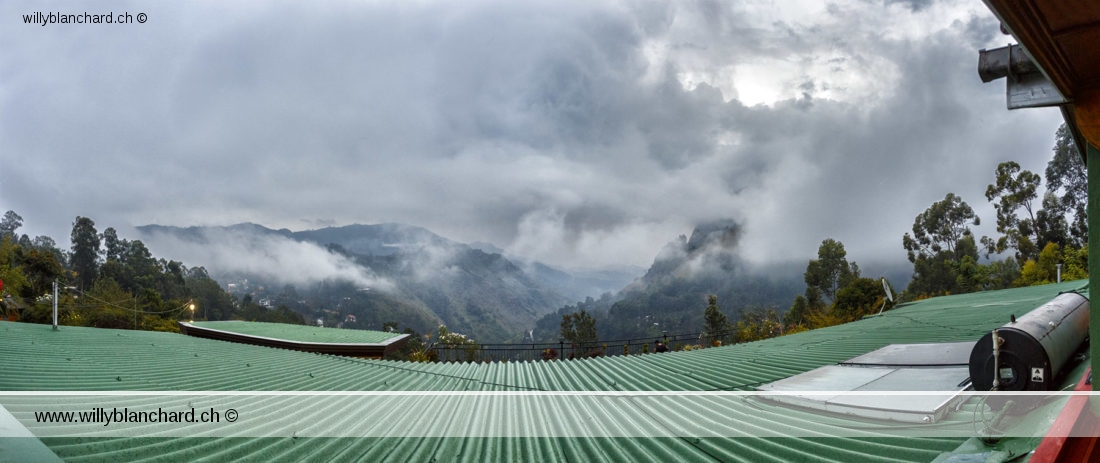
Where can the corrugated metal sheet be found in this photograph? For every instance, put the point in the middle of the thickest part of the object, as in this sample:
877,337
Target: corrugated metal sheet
300,333
351,343
33,357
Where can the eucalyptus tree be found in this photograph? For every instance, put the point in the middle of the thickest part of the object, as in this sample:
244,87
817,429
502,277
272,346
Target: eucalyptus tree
1067,183
9,224
84,259
831,270
1015,189
716,325
579,328
939,228
940,245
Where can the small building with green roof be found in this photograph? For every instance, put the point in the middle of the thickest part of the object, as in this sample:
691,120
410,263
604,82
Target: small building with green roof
333,341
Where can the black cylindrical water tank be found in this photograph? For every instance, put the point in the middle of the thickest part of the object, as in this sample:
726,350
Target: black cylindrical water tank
1033,348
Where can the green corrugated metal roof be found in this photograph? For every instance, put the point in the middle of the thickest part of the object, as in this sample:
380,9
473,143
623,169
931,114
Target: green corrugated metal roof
299,333
33,357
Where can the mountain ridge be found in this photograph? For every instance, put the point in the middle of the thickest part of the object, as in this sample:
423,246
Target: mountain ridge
671,296
404,268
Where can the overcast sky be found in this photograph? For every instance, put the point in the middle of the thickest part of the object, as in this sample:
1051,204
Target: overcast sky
580,133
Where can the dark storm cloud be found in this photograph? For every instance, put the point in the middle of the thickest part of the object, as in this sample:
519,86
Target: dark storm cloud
914,5
581,133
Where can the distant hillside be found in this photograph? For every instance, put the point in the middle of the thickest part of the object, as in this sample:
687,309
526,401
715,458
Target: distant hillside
392,238
382,273
577,285
671,296
377,240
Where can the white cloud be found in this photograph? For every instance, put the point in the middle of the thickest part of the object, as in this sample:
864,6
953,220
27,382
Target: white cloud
587,134
275,258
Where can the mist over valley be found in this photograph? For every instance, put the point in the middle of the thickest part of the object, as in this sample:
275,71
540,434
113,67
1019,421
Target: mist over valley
396,276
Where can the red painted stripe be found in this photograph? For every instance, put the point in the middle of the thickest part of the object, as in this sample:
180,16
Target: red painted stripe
1075,419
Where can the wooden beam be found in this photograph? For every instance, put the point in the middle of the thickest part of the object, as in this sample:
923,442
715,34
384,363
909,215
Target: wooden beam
1086,109
1026,20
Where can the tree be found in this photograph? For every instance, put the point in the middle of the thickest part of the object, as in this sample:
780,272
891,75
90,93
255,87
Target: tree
1075,263
213,302
112,307
11,273
831,270
933,277
939,227
1012,190
796,315
814,301
134,268
1044,269
941,246
41,268
85,251
112,246
863,296
1051,225
47,244
1041,271
757,324
10,223
579,328
1002,273
1068,182
716,325
970,275
459,346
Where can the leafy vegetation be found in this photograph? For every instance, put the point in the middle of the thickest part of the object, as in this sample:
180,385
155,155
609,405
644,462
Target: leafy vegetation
757,324
831,270
456,346
945,255
944,252
853,298
579,329
942,249
110,282
716,325
1014,189
429,280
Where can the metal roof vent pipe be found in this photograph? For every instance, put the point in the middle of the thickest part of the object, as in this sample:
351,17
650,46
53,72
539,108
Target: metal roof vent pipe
1026,86
1028,353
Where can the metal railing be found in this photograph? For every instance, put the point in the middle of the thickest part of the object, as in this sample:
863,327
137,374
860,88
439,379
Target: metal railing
566,350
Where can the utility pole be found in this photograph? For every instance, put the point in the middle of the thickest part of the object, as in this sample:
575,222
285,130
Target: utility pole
55,305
